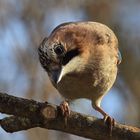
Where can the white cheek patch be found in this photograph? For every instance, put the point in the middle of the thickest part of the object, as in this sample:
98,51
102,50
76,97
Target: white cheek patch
75,65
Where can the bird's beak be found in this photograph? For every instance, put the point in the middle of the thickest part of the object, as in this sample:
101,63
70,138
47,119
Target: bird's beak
56,75
60,75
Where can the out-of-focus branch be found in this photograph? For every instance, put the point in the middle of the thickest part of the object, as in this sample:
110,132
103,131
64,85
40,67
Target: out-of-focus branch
29,114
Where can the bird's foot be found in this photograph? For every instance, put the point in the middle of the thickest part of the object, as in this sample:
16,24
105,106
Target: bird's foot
65,110
110,122
64,106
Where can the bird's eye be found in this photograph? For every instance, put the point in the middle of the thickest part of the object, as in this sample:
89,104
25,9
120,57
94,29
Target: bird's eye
59,49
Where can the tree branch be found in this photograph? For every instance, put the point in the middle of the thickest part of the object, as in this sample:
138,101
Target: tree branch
29,114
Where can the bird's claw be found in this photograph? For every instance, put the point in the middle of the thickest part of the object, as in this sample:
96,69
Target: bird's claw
64,106
65,110
110,122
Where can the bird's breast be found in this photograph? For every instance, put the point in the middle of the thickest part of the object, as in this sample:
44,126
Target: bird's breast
86,85
75,86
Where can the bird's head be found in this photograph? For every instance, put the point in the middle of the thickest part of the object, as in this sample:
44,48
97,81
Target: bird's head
61,53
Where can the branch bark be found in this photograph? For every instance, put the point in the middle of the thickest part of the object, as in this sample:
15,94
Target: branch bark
29,114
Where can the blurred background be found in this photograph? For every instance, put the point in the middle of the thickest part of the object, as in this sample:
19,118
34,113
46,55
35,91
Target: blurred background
24,23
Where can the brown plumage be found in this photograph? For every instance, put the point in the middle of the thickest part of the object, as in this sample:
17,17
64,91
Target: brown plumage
81,60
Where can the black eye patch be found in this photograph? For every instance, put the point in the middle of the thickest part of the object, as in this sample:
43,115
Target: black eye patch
69,55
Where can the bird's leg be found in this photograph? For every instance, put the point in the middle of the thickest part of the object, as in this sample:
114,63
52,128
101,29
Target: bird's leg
65,110
107,119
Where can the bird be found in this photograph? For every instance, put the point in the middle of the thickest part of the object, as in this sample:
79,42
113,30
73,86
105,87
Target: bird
81,59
